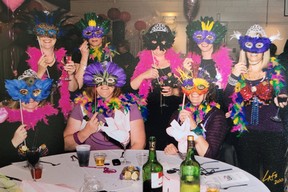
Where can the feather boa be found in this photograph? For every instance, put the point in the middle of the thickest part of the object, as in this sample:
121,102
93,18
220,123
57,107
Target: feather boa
222,60
123,102
199,112
64,101
31,118
145,63
276,79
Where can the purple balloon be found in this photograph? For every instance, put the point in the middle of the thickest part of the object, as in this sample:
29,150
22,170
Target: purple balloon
191,9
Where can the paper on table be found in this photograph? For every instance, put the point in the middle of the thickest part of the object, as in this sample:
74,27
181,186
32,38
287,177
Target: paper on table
32,186
229,179
118,127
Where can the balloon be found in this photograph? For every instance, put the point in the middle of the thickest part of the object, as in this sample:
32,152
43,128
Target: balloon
13,4
140,25
125,16
113,13
191,9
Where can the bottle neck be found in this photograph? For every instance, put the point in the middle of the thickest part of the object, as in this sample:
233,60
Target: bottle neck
190,150
152,152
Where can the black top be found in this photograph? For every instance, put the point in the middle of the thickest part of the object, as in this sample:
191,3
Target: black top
51,135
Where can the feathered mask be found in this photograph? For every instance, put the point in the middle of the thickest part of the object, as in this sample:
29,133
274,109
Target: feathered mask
255,40
28,86
190,84
45,23
93,26
158,35
206,30
106,73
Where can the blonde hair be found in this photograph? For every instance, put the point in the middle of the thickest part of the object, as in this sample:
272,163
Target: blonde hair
265,59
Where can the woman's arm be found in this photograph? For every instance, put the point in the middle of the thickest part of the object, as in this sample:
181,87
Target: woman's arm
149,74
216,131
137,134
84,49
73,131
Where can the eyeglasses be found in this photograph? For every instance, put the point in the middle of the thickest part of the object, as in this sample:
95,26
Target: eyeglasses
204,171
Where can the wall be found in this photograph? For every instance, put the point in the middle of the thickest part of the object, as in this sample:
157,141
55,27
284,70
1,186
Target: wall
238,15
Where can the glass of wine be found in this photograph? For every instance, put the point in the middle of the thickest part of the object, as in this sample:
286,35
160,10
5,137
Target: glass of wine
33,156
67,59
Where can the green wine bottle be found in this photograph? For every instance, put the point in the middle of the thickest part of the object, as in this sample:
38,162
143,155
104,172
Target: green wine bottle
152,171
190,170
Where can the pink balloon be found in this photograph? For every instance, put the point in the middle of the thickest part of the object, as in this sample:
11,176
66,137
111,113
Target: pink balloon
13,4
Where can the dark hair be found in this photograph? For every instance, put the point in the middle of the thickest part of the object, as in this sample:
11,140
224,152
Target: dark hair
212,93
91,94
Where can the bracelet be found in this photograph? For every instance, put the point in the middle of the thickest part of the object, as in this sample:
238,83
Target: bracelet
198,131
76,139
232,81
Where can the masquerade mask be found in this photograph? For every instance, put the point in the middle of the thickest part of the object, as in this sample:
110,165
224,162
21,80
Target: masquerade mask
46,30
204,36
158,35
106,73
190,84
255,40
206,30
93,26
254,44
28,88
92,32
157,42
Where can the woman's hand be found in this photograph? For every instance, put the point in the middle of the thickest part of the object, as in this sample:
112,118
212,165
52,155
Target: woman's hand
171,149
167,91
151,74
92,125
84,49
19,136
187,64
184,114
281,100
42,66
70,67
239,68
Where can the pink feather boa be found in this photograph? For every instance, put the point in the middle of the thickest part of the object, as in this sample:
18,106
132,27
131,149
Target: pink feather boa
64,101
31,118
222,60
145,63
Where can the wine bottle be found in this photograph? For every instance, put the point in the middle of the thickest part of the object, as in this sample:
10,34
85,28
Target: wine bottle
190,170
152,171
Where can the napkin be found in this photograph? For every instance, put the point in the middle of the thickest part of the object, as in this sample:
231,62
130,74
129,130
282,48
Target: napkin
118,127
32,186
180,133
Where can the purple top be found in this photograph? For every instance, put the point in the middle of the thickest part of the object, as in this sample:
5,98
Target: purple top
100,140
265,112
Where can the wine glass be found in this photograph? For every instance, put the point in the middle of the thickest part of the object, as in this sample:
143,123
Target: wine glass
124,145
67,59
276,118
33,156
162,98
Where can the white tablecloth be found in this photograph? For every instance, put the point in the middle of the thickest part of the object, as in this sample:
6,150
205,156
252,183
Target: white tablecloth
70,174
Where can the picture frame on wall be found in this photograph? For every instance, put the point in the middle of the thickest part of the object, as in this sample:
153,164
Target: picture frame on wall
286,8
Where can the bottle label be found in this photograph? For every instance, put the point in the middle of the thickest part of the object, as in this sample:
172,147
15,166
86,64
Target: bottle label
156,180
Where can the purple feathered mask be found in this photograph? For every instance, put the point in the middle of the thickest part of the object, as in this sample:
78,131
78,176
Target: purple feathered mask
105,73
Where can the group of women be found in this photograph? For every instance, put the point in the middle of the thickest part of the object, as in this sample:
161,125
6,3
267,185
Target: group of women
176,96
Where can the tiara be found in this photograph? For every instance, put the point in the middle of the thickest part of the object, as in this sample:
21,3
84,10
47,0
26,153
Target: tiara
28,73
159,27
256,31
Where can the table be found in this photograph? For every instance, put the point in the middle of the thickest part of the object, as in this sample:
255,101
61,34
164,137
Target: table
69,172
